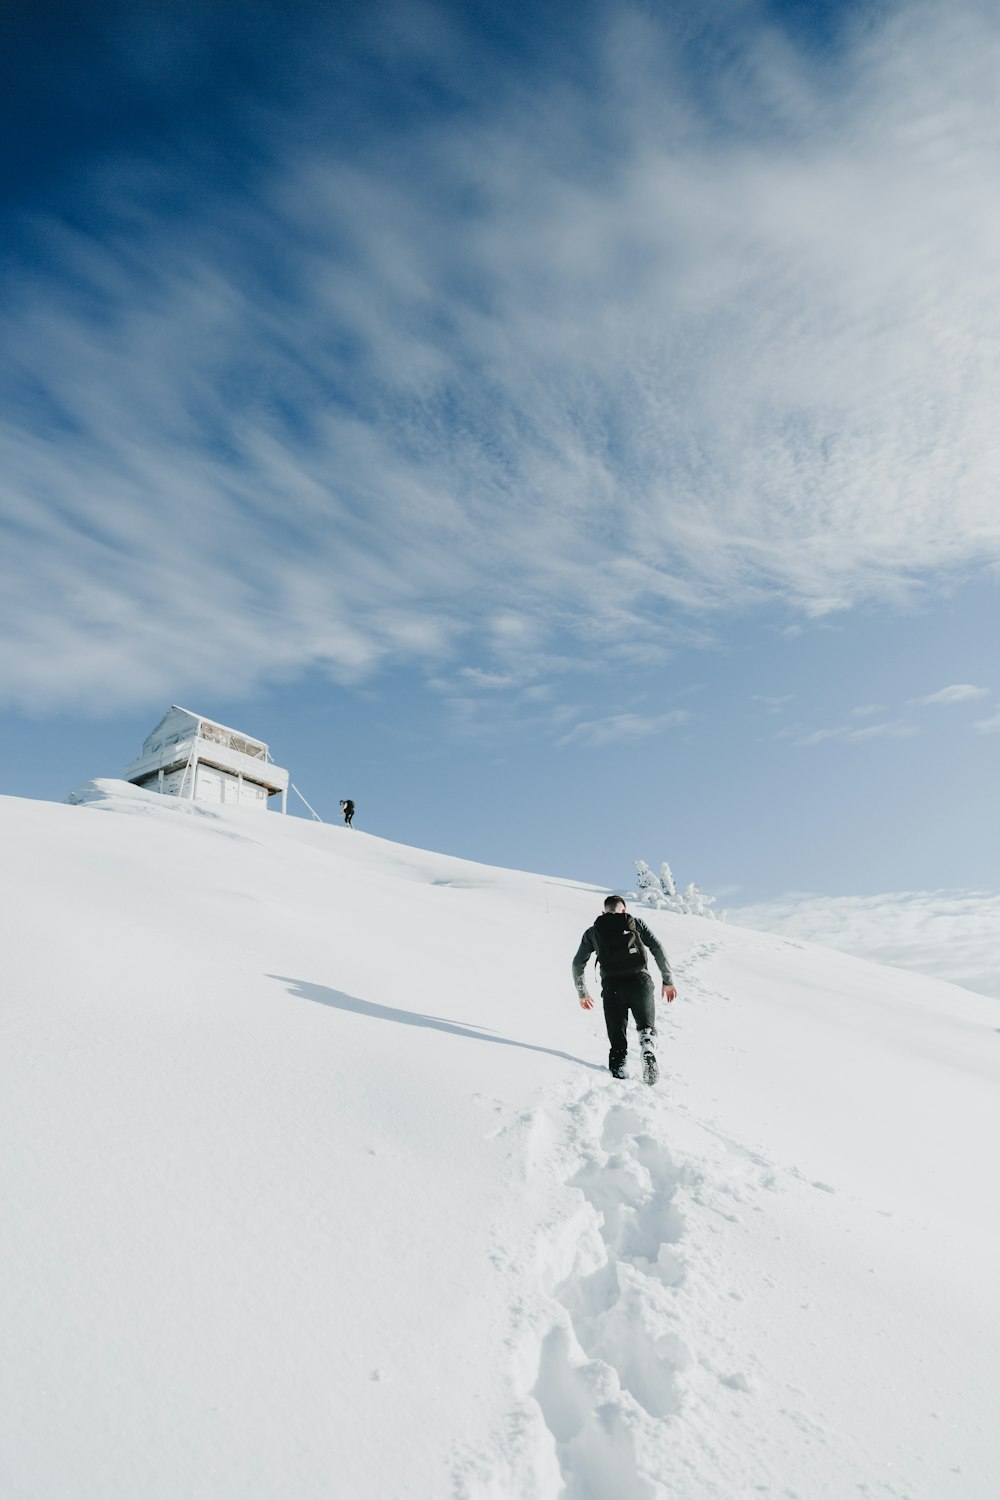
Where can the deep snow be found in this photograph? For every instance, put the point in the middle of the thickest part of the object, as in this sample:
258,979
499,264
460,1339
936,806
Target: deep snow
315,1185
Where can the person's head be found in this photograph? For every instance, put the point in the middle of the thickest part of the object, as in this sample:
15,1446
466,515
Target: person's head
614,903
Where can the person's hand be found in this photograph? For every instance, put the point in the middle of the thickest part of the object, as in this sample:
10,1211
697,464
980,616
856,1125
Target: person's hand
586,1003
669,993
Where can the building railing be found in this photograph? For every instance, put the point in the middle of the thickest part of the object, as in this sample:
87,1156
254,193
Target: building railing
212,753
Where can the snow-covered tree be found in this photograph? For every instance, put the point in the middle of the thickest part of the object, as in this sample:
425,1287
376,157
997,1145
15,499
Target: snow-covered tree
660,891
646,880
696,902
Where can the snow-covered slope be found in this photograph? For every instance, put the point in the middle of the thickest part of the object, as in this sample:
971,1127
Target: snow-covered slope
314,1185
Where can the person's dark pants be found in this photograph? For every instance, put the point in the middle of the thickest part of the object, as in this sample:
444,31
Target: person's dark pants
623,994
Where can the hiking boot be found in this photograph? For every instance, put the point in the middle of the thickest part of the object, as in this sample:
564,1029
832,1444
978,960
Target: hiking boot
620,1070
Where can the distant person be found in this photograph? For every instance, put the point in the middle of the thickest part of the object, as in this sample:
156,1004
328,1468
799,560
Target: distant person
347,808
620,941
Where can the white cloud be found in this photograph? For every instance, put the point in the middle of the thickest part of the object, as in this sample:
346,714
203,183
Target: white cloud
959,692
895,730
597,360
989,726
491,681
621,728
948,934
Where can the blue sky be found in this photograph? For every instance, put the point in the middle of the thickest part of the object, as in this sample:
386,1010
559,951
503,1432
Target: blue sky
568,430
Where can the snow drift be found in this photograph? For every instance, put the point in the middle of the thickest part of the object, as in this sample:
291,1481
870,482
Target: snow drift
315,1184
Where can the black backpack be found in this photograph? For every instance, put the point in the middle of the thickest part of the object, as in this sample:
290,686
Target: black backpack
620,949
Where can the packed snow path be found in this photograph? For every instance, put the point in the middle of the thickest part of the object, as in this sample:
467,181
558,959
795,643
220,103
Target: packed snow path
318,1185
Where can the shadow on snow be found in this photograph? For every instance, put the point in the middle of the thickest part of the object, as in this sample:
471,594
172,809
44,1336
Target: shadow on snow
321,994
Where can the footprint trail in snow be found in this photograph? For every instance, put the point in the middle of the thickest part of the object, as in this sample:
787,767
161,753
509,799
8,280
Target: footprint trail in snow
674,1328
614,1352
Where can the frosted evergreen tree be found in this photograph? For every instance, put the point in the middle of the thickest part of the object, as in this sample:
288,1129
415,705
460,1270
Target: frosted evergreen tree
660,891
696,903
646,880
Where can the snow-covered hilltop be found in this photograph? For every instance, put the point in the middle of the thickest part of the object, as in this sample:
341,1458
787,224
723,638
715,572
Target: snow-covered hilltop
315,1184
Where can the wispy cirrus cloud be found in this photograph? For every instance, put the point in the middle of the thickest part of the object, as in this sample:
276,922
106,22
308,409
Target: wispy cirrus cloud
896,729
959,692
773,704
623,728
596,362
899,729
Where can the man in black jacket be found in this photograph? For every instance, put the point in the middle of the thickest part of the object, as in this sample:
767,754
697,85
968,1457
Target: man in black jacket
620,941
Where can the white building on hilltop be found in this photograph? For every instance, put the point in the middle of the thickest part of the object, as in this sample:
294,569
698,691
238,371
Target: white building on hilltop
189,756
